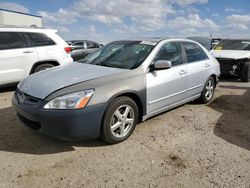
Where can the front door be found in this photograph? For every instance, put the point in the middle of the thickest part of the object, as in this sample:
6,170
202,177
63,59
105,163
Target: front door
166,88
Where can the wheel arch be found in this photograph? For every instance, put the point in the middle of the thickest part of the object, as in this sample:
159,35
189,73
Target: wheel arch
215,79
136,97
53,62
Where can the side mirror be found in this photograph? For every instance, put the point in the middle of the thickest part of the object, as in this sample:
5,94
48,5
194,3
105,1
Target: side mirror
160,65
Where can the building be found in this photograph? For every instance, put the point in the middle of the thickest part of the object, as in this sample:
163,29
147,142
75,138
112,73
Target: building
13,18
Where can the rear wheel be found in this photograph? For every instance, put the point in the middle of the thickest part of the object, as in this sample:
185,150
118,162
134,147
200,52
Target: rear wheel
120,120
208,91
43,67
245,72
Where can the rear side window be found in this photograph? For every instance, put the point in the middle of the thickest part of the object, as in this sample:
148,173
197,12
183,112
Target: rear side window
194,52
11,40
78,44
39,39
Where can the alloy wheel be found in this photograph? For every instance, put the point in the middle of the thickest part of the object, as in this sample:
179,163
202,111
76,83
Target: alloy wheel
209,90
122,121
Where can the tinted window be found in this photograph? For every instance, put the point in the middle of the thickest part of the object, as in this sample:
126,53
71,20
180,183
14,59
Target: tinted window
171,52
40,39
78,44
11,40
92,45
234,45
194,52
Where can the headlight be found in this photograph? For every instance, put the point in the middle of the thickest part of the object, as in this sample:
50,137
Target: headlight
75,100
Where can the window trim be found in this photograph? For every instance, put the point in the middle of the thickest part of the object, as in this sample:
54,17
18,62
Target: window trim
185,54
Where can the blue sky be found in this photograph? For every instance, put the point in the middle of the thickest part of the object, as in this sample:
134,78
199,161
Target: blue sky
107,20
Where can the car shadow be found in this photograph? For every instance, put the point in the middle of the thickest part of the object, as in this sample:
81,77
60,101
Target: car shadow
15,137
7,88
234,123
229,79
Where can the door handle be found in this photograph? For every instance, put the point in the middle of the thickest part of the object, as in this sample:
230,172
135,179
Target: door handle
182,72
207,65
28,52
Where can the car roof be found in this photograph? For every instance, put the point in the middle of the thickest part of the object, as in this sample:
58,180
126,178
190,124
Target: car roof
235,39
73,41
155,40
24,28
76,40
149,39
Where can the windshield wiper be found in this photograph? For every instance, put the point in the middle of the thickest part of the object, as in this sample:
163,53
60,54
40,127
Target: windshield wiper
102,63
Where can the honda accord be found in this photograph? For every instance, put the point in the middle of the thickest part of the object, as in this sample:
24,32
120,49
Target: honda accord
114,88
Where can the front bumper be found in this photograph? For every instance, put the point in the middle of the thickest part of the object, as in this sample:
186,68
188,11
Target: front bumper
63,124
229,67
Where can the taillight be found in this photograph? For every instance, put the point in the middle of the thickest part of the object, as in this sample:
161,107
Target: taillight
67,49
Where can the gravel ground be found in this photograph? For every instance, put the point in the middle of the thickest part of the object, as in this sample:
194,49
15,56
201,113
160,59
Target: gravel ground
190,146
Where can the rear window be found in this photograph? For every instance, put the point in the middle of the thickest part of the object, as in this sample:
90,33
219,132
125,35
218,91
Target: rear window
11,40
194,52
233,45
39,39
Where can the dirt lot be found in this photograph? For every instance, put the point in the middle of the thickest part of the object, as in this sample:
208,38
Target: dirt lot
191,146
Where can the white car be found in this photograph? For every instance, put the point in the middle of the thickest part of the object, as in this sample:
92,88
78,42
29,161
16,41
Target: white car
234,57
24,51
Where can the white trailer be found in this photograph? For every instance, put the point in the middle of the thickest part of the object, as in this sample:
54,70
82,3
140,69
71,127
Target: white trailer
10,18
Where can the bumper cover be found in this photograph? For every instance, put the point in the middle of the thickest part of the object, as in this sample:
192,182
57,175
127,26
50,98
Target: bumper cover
62,124
229,67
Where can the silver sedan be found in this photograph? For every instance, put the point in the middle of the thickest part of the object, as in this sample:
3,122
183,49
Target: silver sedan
113,89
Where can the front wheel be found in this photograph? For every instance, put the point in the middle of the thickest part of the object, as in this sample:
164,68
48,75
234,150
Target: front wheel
245,72
120,120
208,91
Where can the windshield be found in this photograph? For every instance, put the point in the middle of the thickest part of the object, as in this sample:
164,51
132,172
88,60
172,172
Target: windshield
121,54
233,45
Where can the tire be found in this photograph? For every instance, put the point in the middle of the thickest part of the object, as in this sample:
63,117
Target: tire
245,72
123,125
43,67
208,91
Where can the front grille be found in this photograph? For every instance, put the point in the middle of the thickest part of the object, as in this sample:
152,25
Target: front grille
23,98
227,66
32,124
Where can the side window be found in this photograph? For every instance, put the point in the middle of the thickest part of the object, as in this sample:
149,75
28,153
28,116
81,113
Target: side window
11,40
40,39
91,45
171,52
78,44
194,52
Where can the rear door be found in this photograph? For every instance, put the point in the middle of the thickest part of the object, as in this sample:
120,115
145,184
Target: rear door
15,57
44,46
199,67
167,87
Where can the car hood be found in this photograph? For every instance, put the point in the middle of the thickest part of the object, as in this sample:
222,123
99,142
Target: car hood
43,83
230,54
